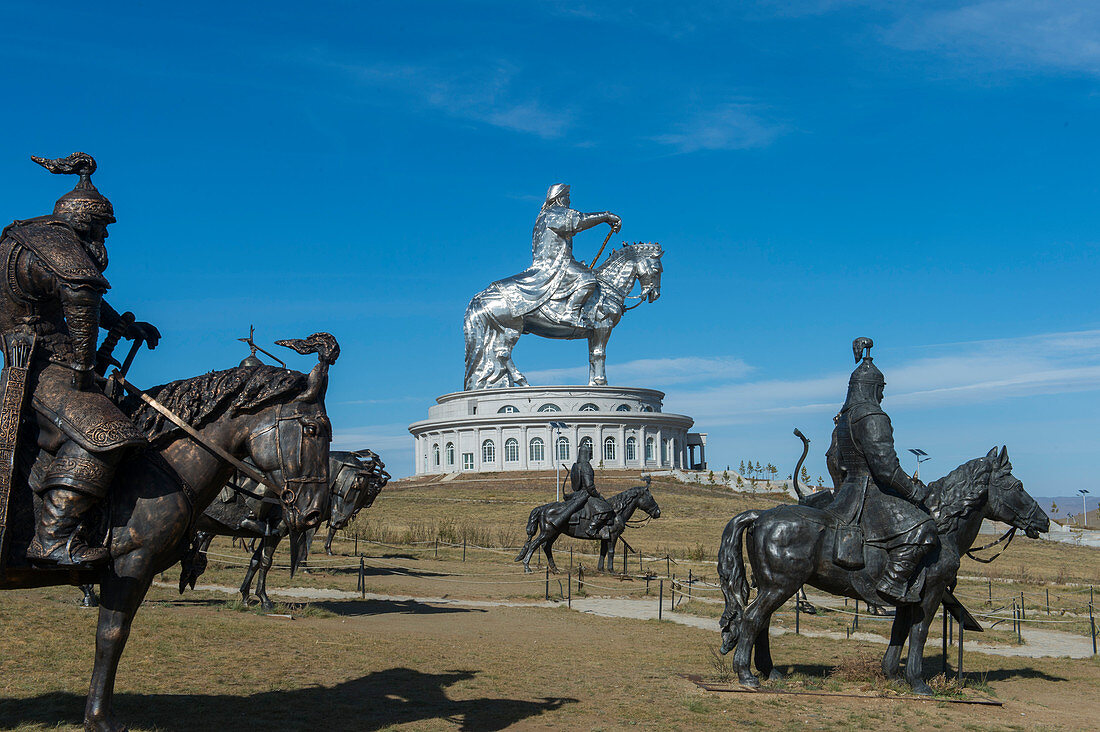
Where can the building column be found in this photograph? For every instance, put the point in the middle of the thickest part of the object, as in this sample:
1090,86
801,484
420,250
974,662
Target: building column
621,447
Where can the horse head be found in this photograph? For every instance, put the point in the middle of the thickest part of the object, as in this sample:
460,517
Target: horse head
1009,502
357,484
648,503
290,441
634,263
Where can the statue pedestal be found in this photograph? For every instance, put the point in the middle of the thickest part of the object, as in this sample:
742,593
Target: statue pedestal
493,430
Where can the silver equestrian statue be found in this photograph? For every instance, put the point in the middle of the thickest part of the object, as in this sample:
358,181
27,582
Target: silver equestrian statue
558,297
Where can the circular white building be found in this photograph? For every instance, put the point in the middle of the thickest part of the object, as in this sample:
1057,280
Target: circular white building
538,427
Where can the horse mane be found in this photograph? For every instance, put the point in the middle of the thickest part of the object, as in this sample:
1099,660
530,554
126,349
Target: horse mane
619,500
627,249
200,399
957,494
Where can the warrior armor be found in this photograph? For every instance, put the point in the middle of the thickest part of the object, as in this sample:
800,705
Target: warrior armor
54,286
874,492
555,275
583,481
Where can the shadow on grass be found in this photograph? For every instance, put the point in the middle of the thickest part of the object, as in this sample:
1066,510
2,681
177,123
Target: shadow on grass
389,607
381,699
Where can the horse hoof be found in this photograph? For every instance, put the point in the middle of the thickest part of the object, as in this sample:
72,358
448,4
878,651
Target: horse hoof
103,725
920,688
748,680
776,675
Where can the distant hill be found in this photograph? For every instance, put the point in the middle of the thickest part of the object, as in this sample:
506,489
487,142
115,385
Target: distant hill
1071,505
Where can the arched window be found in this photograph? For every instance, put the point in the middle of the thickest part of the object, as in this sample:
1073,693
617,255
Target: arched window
631,448
488,452
590,407
549,408
647,408
535,450
450,453
507,409
609,448
649,448
622,408
587,441
435,455
511,450
563,448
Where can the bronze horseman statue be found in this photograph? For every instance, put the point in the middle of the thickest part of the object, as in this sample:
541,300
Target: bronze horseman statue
585,496
874,492
105,490
53,289
557,297
884,538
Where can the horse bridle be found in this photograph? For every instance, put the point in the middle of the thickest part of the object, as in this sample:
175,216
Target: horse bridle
1008,535
291,486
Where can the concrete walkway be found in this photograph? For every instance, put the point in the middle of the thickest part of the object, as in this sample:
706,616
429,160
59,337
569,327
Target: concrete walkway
1040,643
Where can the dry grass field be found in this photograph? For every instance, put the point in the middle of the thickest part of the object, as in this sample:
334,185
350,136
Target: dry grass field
201,661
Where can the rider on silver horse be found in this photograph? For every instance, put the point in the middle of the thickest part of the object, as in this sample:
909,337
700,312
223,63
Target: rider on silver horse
53,288
874,491
583,480
555,275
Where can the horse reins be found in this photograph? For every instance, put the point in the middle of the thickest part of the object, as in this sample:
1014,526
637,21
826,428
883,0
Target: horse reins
1006,535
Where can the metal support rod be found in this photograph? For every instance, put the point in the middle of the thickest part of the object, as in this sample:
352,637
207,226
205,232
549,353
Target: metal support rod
547,584
1048,601
943,639
796,613
689,585
626,555
672,594
990,581
959,670
855,620
950,631
464,548
569,581
660,599
1023,614
1092,625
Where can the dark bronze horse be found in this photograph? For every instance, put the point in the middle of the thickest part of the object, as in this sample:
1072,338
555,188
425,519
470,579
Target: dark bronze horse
550,519
789,546
354,484
275,417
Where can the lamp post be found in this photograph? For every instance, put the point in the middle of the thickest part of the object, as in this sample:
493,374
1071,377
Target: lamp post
557,427
1084,508
921,456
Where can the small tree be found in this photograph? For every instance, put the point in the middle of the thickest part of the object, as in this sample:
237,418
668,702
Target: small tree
726,475
805,475
772,472
1054,507
740,483
710,476
741,468
820,482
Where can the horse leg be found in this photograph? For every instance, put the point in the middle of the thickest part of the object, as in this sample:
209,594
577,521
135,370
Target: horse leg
253,567
603,554
510,338
597,356
921,619
547,549
267,553
756,618
90,599
328,540
533,545
763,647
899,630
121,592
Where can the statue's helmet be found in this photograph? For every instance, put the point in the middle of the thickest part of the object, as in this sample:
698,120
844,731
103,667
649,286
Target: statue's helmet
83,204
584,452
866,381
555,192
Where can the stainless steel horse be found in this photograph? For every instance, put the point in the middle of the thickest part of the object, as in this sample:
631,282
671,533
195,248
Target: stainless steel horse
495,318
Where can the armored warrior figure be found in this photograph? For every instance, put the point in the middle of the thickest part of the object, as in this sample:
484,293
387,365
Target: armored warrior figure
53,287
874,492
555,275
583,481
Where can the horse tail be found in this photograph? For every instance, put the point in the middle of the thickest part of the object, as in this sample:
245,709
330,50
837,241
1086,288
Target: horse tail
532,527
731,571
805,452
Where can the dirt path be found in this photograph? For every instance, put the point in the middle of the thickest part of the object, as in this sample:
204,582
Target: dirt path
1040,643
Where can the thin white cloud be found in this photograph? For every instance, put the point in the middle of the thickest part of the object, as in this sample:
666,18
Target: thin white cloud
1063,34
983,371
650,371
383,439
486,93
733,126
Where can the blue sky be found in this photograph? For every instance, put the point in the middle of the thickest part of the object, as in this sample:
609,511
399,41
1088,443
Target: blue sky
921,173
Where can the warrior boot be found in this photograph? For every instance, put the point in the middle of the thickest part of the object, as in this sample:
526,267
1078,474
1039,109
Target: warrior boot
894,583
598,528
575,307
57,540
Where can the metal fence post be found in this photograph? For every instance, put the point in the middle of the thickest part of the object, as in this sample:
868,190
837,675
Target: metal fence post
464,548
689,585
672,594
1092,625
362,581
548,584
661,599
943,640
959,670
796,614
1048,600
569,580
